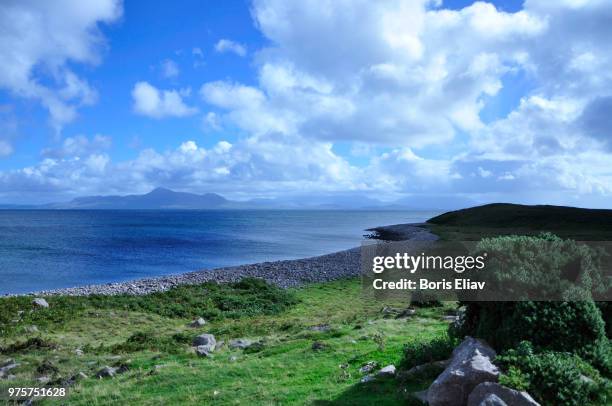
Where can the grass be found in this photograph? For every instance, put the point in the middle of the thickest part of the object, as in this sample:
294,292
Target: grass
150,335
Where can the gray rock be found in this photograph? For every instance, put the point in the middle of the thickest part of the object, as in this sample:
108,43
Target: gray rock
199,322
320,327
106,372
418,369
389,370
206,341
492,400
406,313
78,352
508,396
471,364
240,343
368,367
43,379
40,302
366,379
5,367
203,351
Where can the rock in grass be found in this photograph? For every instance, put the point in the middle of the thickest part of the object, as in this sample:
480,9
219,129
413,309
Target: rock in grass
366,379
203,351
5,367
207,341
368,367
389,370
40,302
106,372
240,343
318,346
486,390
199,322
470,366
320,327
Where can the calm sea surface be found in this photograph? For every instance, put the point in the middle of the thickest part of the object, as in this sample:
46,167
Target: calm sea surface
45,249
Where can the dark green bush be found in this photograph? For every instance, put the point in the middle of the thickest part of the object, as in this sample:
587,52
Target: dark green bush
574,327
422,352
552,378
569,326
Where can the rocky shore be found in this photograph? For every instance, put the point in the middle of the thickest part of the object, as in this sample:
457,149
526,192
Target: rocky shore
285,274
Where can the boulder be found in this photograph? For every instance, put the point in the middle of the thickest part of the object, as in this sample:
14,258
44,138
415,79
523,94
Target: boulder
207,341
470,365
389,370
492,400
40,302
422,368
203,351
106,372
508,396
199,322
240,343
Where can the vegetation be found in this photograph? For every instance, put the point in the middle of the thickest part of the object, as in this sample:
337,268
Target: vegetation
148,337
554,378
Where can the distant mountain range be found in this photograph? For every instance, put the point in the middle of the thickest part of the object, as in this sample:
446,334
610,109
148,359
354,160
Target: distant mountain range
162,198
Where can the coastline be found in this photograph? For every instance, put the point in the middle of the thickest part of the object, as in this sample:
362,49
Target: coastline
284,273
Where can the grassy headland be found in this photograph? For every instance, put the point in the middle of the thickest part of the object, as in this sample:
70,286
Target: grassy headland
497,219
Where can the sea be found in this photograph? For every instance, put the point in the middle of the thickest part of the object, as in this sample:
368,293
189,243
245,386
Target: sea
50,249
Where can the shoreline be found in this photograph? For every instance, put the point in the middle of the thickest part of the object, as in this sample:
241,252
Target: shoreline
285,274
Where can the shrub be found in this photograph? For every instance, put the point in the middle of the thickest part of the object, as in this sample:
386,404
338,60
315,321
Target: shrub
552,378
420,352
574,326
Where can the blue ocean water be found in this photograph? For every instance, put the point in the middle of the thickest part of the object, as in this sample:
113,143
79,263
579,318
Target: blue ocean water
47,249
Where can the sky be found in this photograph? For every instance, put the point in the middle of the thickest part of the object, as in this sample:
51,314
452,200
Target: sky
419,100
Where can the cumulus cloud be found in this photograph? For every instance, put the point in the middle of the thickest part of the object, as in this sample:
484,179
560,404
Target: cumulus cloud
150,101
404,84
38,40
226,45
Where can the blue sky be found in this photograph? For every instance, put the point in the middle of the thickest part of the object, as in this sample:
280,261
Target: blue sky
395,100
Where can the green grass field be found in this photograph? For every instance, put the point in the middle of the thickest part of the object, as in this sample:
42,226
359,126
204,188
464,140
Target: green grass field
151,336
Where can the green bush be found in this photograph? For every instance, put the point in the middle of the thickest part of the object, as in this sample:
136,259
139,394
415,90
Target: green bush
552,378
422,352
544,267
569,326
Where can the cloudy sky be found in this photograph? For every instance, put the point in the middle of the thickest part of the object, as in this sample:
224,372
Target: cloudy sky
416,99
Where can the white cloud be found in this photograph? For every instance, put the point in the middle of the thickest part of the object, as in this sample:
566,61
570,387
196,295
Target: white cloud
37,41
169,69
78,146
226,45
151,102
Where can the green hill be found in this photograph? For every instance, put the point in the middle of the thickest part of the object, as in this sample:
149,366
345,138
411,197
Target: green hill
505,218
